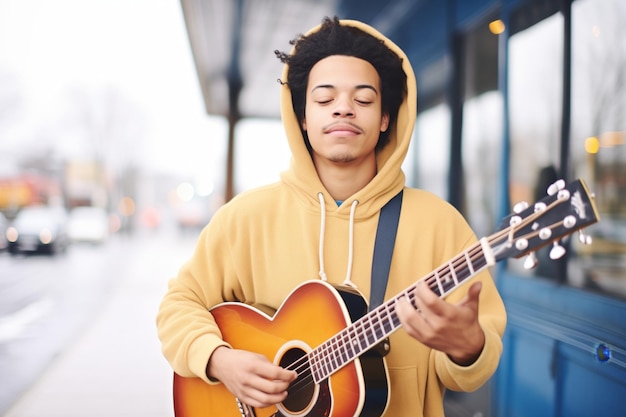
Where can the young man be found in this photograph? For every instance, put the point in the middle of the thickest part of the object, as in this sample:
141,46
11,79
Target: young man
348,105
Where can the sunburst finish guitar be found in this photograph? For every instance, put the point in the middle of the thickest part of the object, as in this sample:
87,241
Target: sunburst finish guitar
327,336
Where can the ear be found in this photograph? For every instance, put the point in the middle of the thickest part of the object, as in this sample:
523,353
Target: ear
384,122
303,124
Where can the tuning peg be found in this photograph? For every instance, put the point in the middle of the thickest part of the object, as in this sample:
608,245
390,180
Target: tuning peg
556,187
531,261
540,206
569,221
584,238
545,233
557,251
519,207
521,244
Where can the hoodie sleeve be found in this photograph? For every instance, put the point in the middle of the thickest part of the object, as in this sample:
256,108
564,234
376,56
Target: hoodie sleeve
186,328
492,318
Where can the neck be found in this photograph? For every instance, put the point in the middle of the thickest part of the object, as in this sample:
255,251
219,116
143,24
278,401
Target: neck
343,180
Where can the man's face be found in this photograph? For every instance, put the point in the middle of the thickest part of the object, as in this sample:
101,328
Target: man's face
343,114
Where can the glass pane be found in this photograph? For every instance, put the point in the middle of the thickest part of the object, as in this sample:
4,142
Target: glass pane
535,85
599,141
482,132
430,151
482,129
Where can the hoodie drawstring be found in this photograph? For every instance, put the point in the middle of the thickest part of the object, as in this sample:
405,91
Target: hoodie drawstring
322,273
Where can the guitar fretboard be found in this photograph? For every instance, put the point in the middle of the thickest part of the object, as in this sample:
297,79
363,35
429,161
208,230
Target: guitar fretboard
379,323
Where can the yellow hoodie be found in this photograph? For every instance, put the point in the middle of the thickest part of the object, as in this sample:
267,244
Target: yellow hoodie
265,242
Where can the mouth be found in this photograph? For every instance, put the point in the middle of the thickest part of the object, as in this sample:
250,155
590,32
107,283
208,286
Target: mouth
343,129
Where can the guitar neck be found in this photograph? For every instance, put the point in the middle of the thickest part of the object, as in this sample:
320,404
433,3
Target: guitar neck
379,323
561,213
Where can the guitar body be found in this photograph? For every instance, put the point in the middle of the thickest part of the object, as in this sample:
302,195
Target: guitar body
312,314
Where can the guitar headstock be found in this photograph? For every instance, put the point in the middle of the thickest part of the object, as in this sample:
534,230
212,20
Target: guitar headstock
565,210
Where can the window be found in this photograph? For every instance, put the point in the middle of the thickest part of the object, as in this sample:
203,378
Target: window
598,140
535,102
430,151
482,128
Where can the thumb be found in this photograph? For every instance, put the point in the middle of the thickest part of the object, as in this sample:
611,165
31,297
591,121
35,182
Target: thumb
474,292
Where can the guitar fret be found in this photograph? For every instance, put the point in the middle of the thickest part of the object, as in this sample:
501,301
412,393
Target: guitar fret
447,283
324,359
359,339
368,328
390,320
332,359
314,363
453,273
337,353
438,280
343,351
363,336
379,326
354,342
350,345
468,262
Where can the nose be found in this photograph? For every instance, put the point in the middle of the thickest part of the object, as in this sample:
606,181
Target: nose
343,107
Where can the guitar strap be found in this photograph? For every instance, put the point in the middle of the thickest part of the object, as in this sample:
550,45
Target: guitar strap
381,263
383,249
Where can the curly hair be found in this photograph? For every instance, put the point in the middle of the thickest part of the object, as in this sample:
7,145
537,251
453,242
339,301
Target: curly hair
333,38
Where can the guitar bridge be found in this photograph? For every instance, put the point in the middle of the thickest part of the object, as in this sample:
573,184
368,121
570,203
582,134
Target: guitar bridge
244,409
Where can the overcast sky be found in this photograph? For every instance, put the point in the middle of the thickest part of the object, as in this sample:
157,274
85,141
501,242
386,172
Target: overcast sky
137,49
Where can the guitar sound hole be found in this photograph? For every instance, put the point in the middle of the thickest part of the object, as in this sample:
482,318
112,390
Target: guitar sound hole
302,391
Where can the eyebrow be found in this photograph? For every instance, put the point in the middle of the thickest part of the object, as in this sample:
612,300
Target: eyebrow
357,87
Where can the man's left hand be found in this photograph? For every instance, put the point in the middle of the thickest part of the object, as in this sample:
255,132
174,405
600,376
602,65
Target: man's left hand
449,328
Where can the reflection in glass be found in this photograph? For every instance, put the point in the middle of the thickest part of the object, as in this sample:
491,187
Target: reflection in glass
598,142
431,149
535,80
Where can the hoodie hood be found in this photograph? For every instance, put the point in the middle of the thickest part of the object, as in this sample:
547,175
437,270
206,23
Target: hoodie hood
389,180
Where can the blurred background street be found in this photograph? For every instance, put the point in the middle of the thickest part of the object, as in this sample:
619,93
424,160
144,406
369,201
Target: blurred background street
77,331
109,167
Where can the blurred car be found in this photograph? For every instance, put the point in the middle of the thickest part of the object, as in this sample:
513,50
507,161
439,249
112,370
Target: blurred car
88,224
4,224
38,229
193,215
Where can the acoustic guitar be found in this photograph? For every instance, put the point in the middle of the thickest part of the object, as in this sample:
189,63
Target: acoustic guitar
337,347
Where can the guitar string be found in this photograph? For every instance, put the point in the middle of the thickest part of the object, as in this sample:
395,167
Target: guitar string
447,271
305,374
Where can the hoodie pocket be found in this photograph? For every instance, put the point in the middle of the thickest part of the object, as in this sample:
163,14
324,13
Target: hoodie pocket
406,394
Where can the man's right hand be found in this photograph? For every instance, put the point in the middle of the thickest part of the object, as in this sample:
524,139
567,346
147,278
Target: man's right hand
250,377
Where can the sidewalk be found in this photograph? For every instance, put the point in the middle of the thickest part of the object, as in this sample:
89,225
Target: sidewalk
115,368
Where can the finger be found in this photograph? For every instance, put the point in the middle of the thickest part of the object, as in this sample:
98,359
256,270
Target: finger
275,373
410,318
268,387
260,392
473,293
427,302
259,399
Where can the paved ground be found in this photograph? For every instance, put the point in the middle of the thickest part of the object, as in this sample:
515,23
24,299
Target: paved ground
115,368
